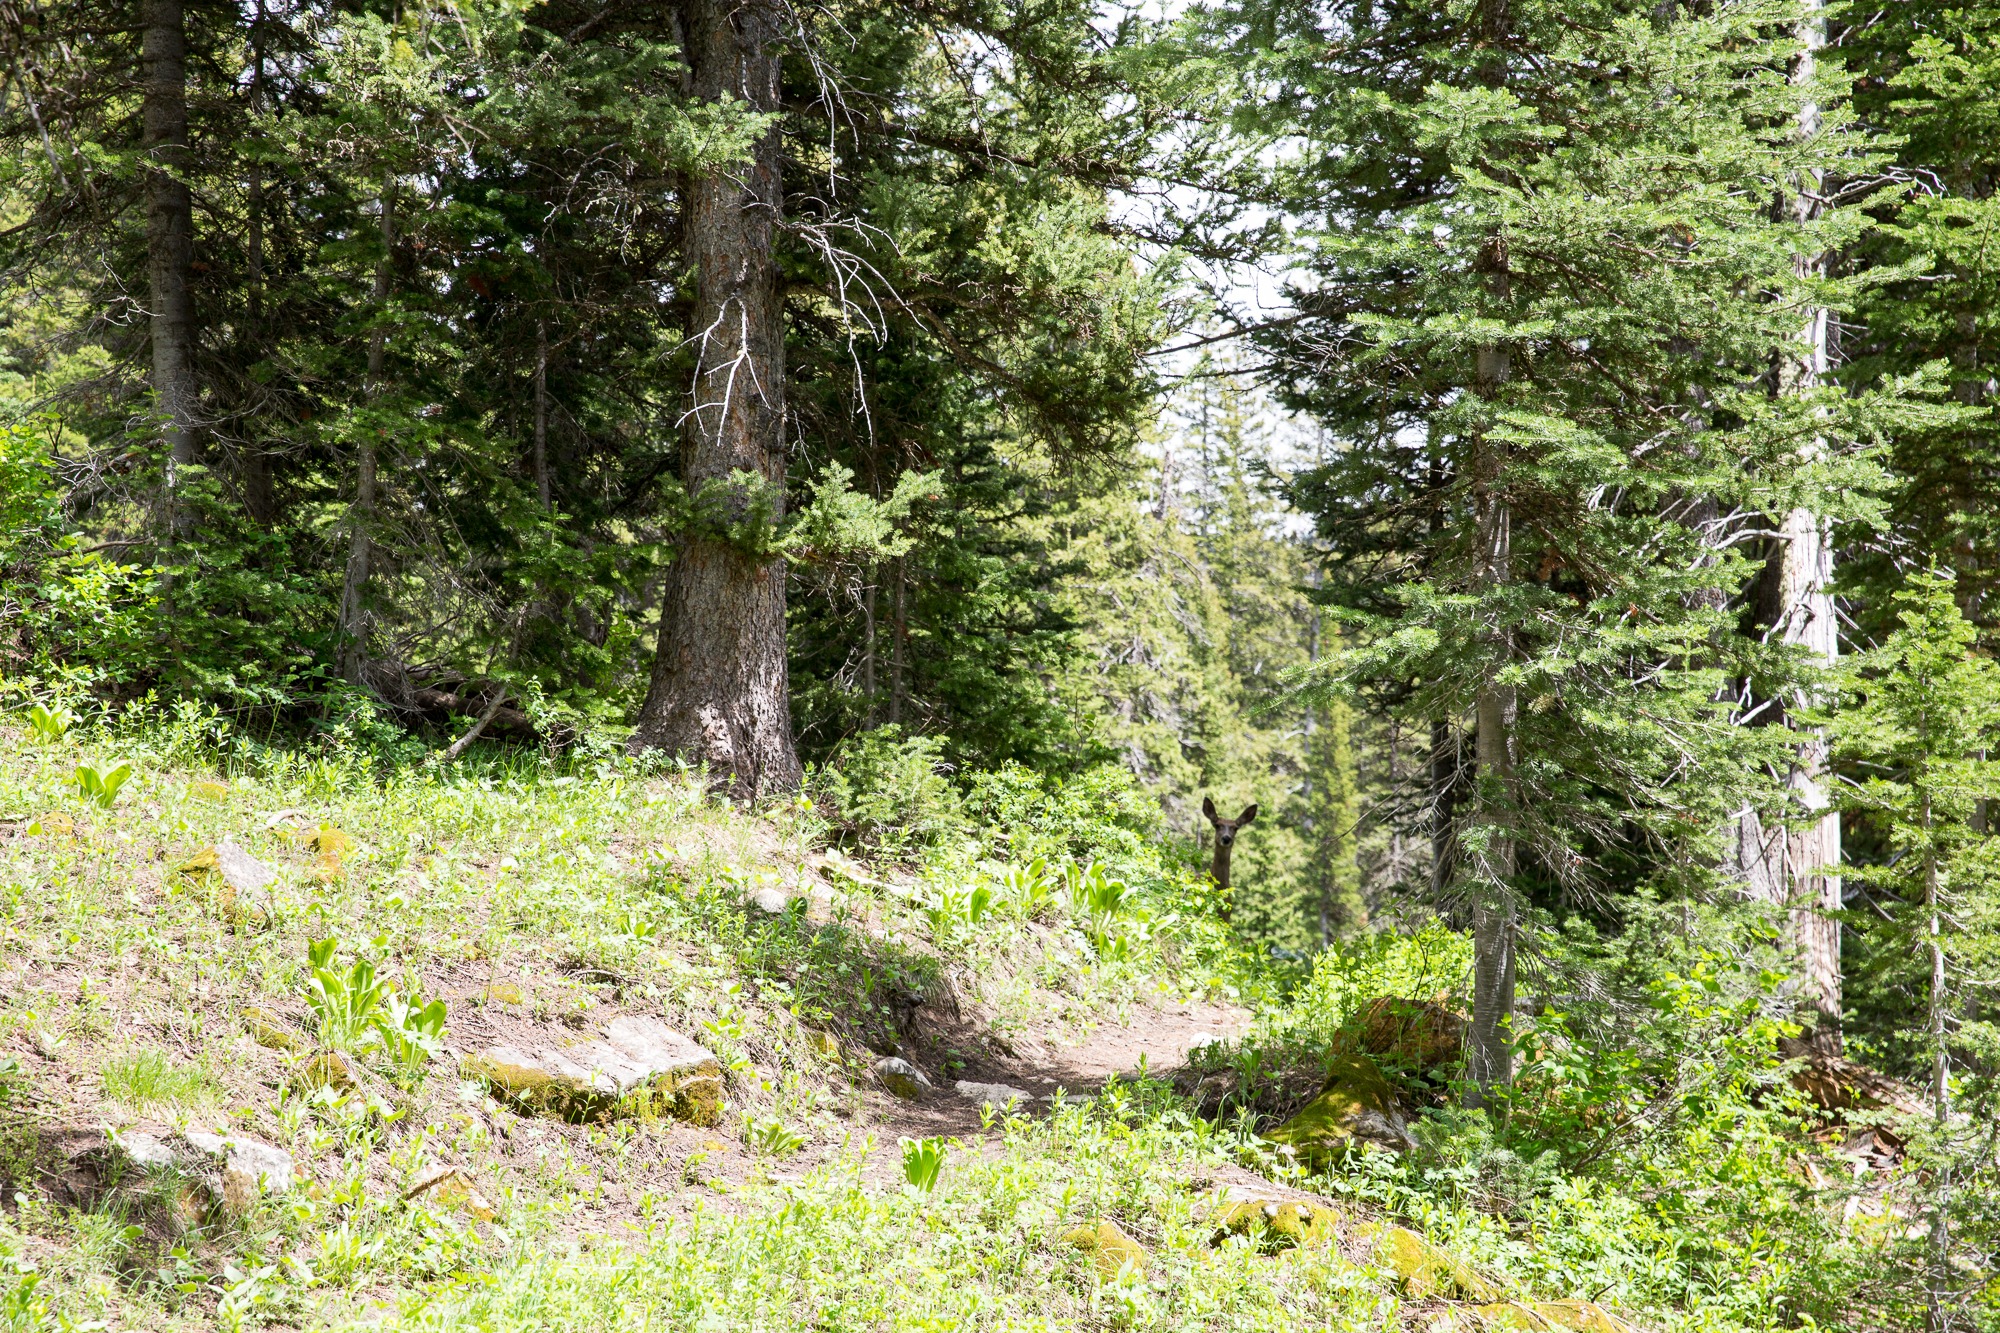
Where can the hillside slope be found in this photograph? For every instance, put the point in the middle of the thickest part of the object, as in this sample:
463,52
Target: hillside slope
291,1042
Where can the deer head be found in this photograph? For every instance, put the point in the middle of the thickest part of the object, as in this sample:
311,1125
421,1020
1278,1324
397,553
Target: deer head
1225,838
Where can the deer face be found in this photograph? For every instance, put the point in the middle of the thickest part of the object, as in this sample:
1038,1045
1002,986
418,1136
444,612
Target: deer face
1225,829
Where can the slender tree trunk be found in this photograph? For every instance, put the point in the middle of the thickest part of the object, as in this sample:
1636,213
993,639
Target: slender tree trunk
170,252
354,612
1936,1317
1810,882
720,693
868,646
1489,1037
899,646
542,413
259,497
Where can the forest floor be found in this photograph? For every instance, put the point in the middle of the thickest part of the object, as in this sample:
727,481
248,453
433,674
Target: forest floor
156,985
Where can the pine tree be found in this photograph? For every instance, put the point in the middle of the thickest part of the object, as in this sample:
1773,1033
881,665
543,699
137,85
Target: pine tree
1925,722
1539,316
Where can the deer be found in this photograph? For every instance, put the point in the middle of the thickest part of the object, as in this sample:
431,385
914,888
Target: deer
1225,839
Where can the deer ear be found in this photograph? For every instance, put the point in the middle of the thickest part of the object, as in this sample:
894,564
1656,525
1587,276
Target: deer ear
1208,808
1249,813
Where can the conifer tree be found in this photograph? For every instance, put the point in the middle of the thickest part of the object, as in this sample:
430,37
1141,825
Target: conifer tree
1923,728
1538,312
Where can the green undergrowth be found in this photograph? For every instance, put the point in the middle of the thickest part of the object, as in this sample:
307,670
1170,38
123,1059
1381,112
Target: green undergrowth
1665,1172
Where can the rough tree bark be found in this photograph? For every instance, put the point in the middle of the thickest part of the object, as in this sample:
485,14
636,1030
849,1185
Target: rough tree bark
1784,866
1489,1037
720,693
170,252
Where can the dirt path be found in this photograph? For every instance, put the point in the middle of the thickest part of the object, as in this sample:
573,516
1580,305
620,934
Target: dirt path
1156,1039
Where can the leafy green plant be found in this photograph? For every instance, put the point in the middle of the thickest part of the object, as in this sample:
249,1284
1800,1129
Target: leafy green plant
923,1161
1029,889
346,1002
100,785
49,725
769,1136
889,792
951,909
412,1034
1098,900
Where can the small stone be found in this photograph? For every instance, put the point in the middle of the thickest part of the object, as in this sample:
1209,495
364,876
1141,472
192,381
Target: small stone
268,1030
1114,1251
506,992
999,1096
210,791
449,1185
901,1078
328,1069
772,902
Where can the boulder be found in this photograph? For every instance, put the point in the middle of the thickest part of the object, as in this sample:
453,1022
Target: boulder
1271,1223
1416,1035
1421,1269
901,1078
1534,1317
451,1187
637,1066
1356,1106
999,1096
328,1069
202,1171
269,1030
1114,1251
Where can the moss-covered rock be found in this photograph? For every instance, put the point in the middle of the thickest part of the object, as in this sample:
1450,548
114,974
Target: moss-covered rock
1416,1035
1273,1224
1356,1106
1422,1270
1106,1243
641,1067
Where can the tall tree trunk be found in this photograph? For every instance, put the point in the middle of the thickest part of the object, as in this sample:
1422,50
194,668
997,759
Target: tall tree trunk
1797,868
899,646
720,693
259,497
354,611
1489,1038
170,252
542,414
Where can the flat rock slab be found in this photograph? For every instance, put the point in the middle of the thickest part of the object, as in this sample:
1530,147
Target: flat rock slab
232,1170
999,1096
636,1066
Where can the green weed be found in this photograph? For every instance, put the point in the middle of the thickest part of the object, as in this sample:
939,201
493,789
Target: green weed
923,1162
142,1080
100,785
49,725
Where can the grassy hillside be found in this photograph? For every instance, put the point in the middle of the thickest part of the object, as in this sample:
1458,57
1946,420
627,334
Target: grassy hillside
255,943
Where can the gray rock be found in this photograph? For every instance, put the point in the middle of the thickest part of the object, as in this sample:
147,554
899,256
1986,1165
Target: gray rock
901,1078
240,870
773,902
231,1169
638,1066
249,1167
999,1096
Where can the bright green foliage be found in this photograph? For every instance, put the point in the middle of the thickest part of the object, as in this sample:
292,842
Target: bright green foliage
1926,73
412,1034
1921,729
100,783
347,1002
923,1162
1529,204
